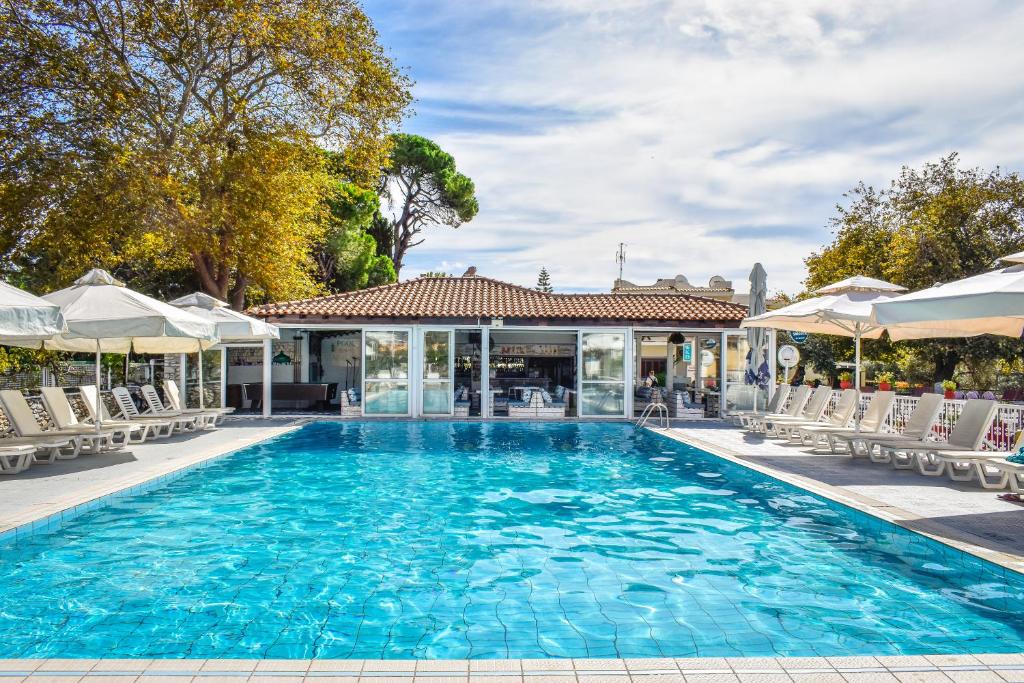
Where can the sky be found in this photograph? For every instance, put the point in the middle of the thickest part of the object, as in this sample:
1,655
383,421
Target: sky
705,135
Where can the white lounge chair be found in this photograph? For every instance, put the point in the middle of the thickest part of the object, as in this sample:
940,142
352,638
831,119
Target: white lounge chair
63,416
15,459
775,403
966,466
173,397
148,428
873,421
967,434
130,411
756,423
811,413
202,419
1014,473
918,426
840,417
51,445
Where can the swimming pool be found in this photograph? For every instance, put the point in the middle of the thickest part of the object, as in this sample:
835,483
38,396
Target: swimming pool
492,540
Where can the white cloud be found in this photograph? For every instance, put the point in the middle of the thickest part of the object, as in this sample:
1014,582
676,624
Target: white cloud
672,125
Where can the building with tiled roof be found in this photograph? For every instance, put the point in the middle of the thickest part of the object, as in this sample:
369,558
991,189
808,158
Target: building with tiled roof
472,299
473,346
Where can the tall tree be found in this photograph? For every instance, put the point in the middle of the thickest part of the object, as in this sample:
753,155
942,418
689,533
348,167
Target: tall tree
348,259
544,281
210,110
422,188
934,224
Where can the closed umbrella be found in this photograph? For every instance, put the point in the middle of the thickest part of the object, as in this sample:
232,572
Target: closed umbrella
990,303
26,319
231,325
843,308
757,367
103,315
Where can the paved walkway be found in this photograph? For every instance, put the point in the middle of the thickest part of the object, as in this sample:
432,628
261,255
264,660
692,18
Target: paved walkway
941,668
44,490
934,505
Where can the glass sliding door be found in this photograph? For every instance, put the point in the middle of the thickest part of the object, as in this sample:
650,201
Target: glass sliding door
386,377
437,372
603,382
739,395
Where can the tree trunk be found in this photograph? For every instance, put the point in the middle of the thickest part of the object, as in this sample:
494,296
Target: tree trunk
237,299
945,364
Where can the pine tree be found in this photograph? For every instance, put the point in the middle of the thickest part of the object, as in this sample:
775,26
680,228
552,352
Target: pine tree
544,281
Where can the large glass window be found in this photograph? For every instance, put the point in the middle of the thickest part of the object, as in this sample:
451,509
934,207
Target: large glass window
437,372
604,373
387,372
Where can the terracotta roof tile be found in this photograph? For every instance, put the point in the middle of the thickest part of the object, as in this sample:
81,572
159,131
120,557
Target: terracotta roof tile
481,297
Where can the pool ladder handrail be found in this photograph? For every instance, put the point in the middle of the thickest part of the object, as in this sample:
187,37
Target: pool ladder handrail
662,410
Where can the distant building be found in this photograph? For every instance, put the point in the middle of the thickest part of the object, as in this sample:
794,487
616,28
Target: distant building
718,288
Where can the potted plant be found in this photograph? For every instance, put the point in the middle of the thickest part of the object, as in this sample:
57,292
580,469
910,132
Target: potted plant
902,387
884,381
949,388
845,380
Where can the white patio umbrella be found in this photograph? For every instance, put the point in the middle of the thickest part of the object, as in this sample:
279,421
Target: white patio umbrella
844,309
756,335
26,319
103,315
231,325
990,303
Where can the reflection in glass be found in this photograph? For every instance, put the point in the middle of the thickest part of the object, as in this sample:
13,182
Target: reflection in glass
437,398
604,373
435,354
603,398
386,398
387,355
387,360
603,357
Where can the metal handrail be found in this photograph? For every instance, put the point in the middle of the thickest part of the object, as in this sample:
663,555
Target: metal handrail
649,410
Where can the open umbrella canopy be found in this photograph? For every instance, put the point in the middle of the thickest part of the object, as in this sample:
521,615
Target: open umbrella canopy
231,325
26,319
103,315
843,308
990,303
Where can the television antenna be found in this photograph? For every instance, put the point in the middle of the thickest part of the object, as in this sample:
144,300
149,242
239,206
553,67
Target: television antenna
620,257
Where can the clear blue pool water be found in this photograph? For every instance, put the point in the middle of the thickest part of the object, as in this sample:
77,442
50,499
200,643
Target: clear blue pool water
459,540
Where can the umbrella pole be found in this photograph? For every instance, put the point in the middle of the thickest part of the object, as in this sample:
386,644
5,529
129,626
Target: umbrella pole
856,376
201,392
99,389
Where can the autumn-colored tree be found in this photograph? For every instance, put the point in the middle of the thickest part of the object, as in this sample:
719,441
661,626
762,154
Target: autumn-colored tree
422,188
934,224
188,127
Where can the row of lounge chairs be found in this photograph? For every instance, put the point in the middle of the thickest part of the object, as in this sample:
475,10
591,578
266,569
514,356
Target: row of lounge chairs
959,457
68,436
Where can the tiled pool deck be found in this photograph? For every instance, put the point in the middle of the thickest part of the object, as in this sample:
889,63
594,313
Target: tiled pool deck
966,518
925,669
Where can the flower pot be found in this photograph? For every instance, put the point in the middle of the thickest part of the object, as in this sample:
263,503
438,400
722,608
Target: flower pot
950,393
845,384
884,386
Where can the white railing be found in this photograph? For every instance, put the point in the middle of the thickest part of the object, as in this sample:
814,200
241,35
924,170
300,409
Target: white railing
1008,421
